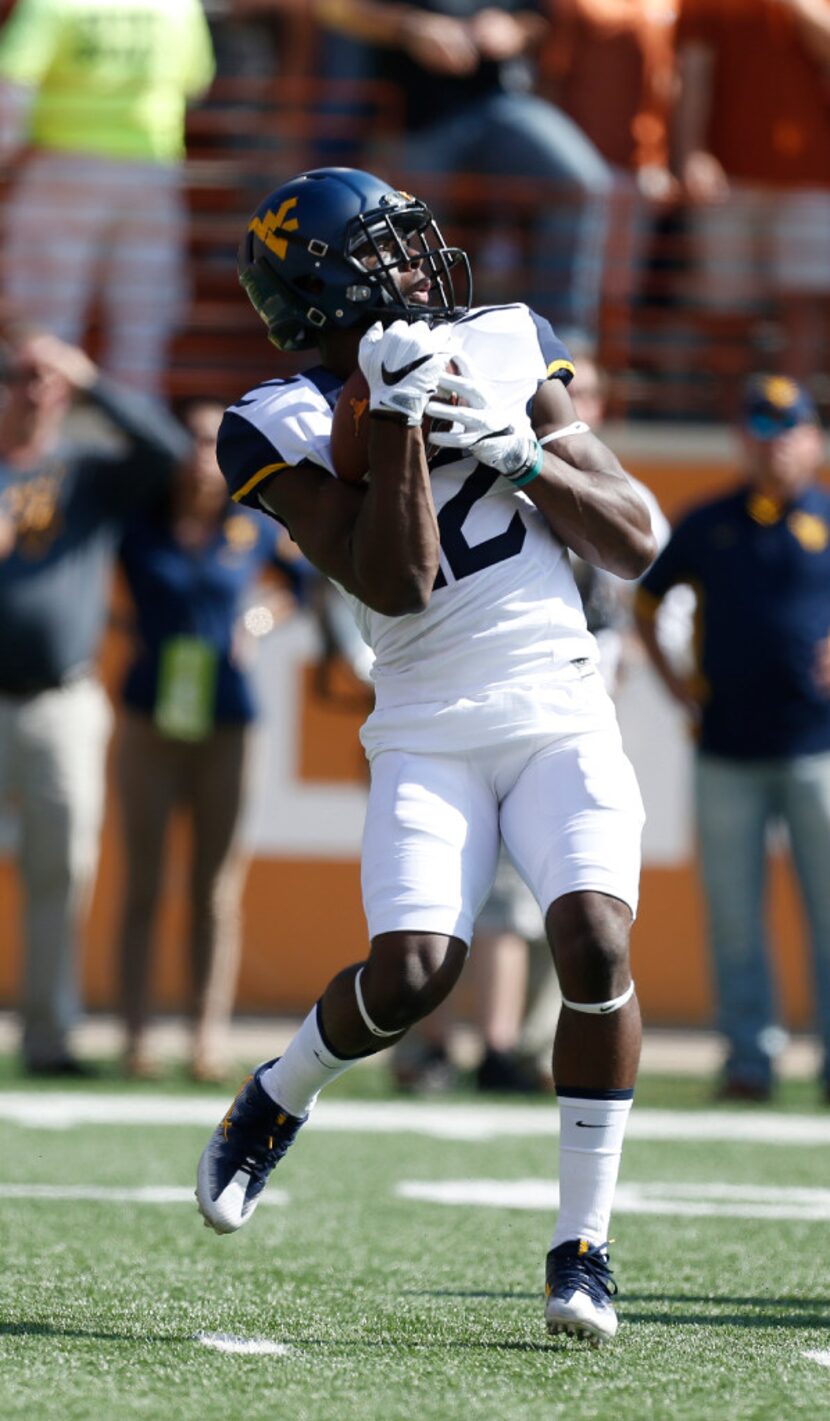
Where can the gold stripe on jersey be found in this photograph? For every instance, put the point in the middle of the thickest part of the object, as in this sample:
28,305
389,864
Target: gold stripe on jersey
257,479
557,367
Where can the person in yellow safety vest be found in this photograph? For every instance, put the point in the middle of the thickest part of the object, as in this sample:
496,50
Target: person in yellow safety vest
92,106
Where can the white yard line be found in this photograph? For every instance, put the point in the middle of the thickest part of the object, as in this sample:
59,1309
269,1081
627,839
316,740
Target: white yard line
823,1358
117,1194
727,1201
247,1346
56,1110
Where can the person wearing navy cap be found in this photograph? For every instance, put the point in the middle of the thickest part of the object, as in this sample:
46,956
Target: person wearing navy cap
759,702
774,404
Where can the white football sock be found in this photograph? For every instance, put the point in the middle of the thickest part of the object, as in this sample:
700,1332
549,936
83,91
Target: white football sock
307,1065
591,1128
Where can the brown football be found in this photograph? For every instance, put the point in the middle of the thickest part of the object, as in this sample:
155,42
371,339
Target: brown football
350,428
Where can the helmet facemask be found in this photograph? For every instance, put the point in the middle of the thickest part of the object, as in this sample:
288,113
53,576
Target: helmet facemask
384,244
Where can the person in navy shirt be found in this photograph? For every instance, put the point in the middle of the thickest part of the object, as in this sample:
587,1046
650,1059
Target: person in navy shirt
759,561
191,564
68,485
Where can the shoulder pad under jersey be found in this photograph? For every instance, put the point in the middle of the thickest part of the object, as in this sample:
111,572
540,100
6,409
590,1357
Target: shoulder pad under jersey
274,427
514,340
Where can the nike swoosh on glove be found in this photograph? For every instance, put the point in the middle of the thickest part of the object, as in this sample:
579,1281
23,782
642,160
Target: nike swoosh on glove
403,363
485,430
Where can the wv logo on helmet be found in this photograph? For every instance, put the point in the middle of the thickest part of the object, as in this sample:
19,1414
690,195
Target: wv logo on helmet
266,227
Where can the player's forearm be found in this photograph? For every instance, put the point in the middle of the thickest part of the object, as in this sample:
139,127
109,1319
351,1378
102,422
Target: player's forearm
505,34
644,616
645,625
690,127
813,20
395,540
534,28
369,20
149,426
597,514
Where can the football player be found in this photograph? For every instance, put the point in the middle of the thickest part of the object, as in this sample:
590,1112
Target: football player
490,722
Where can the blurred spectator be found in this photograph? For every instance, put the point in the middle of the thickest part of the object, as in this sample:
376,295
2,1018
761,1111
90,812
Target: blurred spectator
609,64
191,564
464,69
92,102
753,152
62,509
261,46
509,932
339,641
760,705
285,29
245,34
607,599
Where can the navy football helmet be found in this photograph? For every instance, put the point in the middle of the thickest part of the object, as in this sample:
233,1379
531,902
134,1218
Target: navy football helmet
324,252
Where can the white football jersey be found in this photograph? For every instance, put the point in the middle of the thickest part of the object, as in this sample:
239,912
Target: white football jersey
492,654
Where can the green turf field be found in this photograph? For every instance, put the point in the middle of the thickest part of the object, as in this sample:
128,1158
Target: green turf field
388,1305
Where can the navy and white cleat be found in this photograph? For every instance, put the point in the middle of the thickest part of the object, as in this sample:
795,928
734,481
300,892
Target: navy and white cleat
240,1155
579,1286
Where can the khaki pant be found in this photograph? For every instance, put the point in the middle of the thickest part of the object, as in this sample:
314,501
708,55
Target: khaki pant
83,231
52,754
155,776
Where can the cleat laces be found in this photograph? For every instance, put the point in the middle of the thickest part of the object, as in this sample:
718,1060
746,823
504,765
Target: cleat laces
575,1268
259,1160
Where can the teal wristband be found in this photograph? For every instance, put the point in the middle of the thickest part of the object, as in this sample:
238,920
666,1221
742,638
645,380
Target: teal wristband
519,480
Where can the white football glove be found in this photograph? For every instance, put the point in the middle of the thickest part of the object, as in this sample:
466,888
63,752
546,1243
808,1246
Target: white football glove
403,364
485,430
